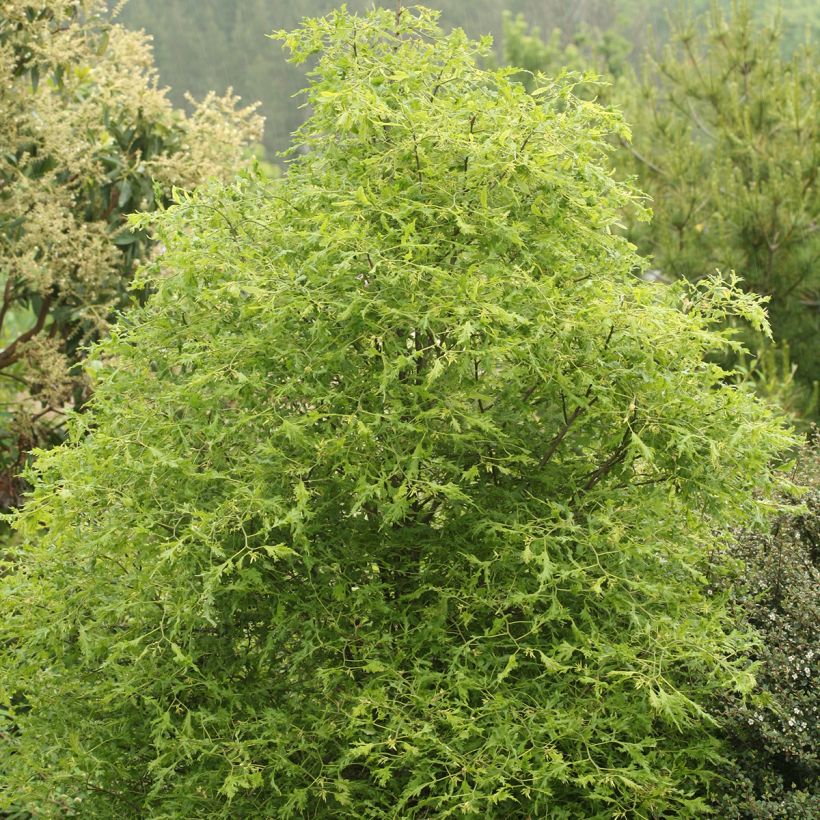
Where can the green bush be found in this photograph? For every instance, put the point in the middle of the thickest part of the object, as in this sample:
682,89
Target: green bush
774,769
392,498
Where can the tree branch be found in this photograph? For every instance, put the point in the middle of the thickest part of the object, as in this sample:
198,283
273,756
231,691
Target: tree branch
560,435
642,159
7,293
615,458
9,355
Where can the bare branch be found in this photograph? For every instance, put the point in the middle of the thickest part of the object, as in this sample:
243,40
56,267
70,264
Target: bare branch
642,159
7,293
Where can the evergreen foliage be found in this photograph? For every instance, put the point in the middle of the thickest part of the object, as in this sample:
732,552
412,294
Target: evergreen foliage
589,50
88,137
774,770
728,147
394,497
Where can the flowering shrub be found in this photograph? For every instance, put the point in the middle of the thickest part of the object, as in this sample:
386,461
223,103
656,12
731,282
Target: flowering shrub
774,736
88,137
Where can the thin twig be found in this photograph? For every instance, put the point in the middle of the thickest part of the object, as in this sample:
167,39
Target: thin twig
561,434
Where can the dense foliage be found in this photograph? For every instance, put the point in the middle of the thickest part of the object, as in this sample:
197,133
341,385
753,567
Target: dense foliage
393,496
775,737
88,137
727,146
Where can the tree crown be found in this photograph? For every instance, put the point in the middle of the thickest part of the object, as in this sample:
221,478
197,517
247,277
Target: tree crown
393,496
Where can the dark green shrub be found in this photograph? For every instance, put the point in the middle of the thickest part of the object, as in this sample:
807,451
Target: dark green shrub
774,736
392,497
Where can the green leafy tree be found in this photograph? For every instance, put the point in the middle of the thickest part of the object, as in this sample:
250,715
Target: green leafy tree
88,137
394,496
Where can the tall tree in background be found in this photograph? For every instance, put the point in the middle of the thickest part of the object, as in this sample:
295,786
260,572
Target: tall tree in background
88,137
727,146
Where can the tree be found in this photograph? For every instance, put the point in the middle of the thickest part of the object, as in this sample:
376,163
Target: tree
205,44
728,147
393,498
598,53
88,138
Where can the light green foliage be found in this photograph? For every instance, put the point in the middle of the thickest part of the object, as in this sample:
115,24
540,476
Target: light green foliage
393,497
88,137
590,50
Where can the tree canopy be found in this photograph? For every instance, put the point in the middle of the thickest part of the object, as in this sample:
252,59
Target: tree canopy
393,498
205,44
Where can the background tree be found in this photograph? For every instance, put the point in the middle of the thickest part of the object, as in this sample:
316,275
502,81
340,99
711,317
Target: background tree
394,495
88,138
727,148
589,51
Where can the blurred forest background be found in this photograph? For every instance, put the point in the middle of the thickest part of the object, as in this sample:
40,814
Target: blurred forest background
204,45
